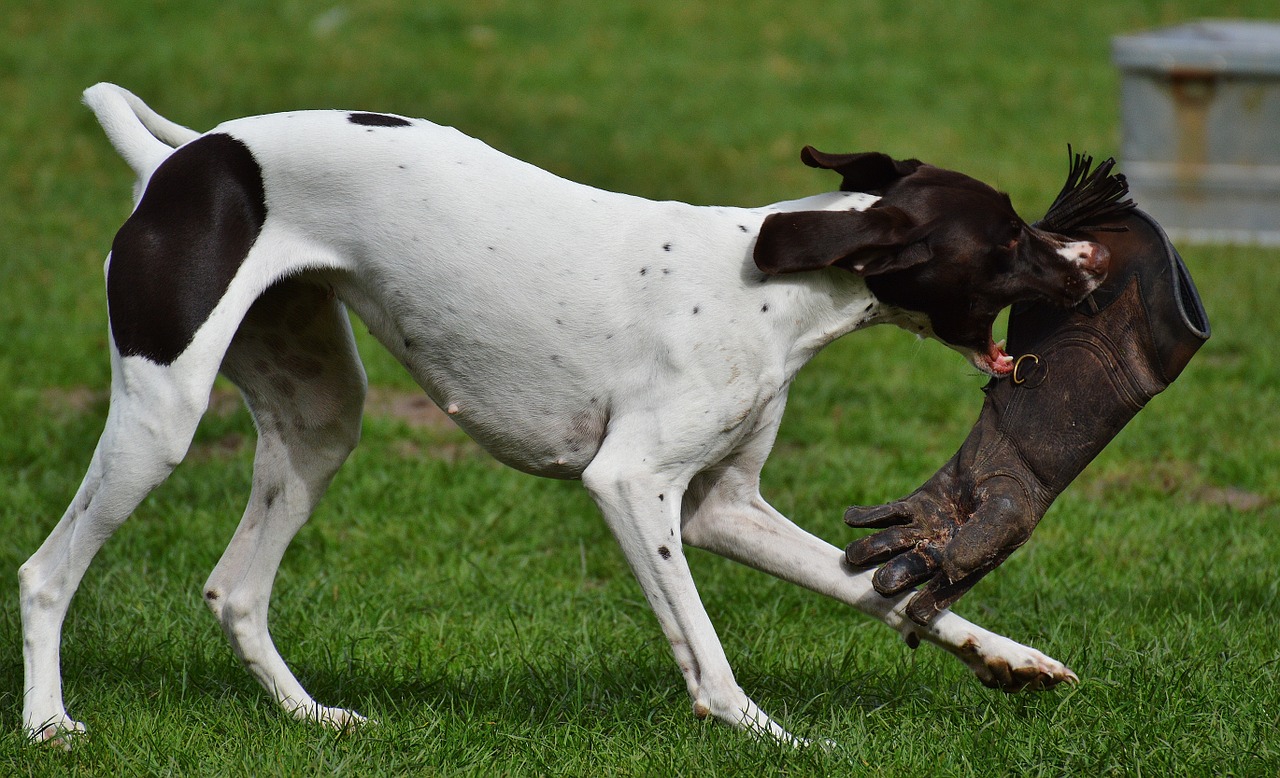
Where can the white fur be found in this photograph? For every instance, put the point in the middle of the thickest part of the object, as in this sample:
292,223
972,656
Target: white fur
573,332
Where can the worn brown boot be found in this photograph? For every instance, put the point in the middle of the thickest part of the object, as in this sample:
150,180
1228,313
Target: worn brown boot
1080,375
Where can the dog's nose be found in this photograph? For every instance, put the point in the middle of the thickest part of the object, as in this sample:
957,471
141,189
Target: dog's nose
1098,261
1093,258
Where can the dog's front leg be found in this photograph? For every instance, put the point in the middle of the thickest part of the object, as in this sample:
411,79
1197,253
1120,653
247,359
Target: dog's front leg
641,505
728,517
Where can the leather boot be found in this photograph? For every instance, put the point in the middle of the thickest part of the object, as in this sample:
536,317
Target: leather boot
1080,375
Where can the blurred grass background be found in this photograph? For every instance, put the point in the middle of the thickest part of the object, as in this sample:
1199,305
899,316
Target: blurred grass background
484,617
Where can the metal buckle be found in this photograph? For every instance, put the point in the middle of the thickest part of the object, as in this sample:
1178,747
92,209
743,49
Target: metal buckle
1019,380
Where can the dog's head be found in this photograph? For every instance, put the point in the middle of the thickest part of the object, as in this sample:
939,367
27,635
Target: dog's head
937,243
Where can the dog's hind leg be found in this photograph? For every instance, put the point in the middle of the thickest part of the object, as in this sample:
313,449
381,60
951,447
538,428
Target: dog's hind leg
180,279
153,415
296,364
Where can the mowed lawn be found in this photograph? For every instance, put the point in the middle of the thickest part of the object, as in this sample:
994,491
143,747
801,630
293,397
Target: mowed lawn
486,619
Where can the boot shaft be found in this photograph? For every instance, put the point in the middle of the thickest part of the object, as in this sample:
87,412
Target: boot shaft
1082,373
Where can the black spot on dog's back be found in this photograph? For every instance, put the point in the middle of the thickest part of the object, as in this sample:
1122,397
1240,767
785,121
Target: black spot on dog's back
377,120
173,259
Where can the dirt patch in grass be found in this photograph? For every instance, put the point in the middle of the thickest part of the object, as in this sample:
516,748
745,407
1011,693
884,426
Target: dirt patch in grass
65,402
1180,479
1233,497
414,409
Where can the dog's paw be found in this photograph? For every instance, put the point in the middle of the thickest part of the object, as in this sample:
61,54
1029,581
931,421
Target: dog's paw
1001,663
60,733
738,711
339,719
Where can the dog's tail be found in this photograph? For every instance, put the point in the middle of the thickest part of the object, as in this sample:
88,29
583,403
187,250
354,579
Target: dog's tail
143,137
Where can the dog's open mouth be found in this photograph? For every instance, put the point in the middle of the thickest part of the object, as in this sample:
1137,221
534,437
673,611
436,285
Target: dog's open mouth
992,360
995,361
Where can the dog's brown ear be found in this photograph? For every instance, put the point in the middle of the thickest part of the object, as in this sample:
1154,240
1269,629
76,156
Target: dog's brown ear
865,172
870,242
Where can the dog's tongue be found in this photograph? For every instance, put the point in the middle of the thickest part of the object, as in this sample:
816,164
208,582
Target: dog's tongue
996,361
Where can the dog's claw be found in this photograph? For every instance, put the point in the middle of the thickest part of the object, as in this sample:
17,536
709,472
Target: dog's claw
1011,667
61,734
340,720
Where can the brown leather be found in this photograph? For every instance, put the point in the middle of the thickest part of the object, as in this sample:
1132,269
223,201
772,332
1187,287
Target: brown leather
1082,373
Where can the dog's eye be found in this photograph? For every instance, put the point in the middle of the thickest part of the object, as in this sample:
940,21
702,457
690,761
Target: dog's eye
1015,234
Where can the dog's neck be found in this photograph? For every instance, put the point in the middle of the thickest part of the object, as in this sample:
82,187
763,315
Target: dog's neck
824,305
819,307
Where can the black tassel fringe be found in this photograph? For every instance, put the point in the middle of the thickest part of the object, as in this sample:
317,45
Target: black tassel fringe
1089,198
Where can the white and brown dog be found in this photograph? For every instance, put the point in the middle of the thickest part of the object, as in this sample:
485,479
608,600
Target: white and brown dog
644,347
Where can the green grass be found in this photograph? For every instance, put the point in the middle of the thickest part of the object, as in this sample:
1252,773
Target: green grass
486,618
